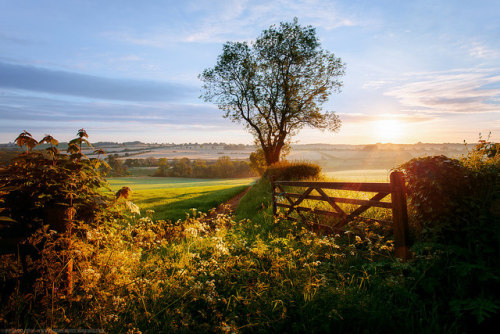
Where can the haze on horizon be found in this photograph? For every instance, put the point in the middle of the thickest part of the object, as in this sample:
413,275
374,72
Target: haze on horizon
420,71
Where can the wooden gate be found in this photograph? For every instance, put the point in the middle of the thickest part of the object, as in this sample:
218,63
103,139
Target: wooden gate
395,188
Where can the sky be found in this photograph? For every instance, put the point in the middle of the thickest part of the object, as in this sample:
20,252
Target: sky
416,71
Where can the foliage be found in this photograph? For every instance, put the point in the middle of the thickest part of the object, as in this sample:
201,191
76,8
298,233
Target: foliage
223,167
171,198
212,275
456,202
137,162
275,85
258,161
58,193
115,167
50,187
438,186
267,274
285,171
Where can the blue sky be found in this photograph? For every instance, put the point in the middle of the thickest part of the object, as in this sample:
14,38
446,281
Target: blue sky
127,70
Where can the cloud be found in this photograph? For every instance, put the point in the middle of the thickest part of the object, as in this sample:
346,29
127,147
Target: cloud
234,19
20,108
481,51
38,79
458,91
376,84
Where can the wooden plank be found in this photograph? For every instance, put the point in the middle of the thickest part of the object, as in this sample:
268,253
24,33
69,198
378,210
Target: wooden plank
361,209
285,194
386,205
304,209
297,202
287,214
325,197
355,186
399,216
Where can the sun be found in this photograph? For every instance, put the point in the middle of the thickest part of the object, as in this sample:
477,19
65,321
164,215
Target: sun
388,130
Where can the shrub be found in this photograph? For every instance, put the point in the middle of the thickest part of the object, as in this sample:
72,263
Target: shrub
437,187
49,187
457,256
258,161
448,196
286,171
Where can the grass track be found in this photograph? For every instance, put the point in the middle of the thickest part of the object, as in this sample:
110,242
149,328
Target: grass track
171,198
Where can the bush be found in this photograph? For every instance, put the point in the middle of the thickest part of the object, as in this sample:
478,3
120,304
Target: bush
448,196
437,187
41,187
457,259
285,171
258,161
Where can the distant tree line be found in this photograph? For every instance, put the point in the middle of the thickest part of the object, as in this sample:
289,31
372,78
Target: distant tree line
114,167
223,167
137,162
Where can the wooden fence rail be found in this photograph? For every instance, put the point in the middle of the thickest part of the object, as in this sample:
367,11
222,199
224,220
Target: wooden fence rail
395,188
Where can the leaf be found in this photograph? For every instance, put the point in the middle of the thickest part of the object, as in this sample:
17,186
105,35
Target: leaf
25,139
99,151
82,133
7,219
124,192
481,308
73,147
132,207
52,150
49,140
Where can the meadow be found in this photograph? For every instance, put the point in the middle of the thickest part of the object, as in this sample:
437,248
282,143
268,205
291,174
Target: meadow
171,198
98,265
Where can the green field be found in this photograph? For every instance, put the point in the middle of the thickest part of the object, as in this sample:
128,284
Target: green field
171,198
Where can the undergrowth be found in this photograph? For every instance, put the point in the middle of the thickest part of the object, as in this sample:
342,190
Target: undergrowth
264,274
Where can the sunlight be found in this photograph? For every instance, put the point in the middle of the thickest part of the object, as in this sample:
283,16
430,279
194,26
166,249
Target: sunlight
388,130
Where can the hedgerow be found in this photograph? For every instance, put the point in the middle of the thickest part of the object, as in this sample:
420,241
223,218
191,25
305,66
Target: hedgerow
285,171
215,274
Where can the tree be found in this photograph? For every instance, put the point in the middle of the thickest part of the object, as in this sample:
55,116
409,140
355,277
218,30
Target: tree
275,85
116,166
258,161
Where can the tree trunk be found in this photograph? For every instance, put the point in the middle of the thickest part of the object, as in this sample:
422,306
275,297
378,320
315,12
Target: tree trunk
272,154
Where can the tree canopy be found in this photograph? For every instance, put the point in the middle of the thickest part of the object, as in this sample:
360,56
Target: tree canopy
275,85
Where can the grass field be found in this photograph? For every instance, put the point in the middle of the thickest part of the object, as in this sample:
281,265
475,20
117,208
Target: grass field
360,175
171,198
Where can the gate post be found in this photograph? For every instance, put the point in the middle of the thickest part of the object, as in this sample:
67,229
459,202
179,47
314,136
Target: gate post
399,216
273,194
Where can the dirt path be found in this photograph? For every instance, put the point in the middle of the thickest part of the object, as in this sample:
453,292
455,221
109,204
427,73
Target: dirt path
229,206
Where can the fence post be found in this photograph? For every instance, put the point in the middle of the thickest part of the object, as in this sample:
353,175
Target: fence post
273,192
399,216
